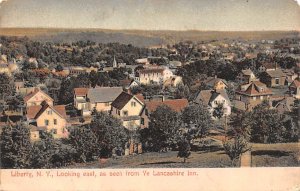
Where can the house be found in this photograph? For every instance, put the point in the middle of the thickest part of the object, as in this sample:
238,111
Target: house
129,84
246,76
216,83
291,75
36,98
177,105
294,89
267,66
156,75
99,98
130,110
213,98
252,94
274,78
49,118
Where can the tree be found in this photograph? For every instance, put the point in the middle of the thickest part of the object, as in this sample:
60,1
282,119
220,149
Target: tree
7,87
235,147
15,146
218,111
184,148
182,91
109,132
266,125
198,119
164,126
85,143
43,151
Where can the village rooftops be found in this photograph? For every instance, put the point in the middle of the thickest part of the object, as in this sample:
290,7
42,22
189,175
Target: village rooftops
152,70
32,94
121,100
213,80
276,73
176,104
103,94
33,112
207,96
81,91
255,88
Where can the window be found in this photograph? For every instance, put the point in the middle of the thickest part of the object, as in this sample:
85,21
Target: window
125,113
277,81
216,102
118,112
133,104
49,112
55,121
142,121
254,98
46,122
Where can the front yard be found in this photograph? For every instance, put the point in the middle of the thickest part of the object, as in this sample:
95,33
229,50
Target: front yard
263,155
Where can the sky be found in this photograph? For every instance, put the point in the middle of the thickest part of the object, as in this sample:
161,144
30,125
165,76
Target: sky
217,15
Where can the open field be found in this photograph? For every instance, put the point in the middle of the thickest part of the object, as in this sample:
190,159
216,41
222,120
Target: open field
140,37
263,155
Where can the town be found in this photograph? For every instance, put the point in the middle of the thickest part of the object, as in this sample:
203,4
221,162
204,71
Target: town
87,104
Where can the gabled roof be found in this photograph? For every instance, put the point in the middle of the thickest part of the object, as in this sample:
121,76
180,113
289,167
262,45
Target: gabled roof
32,94
81,91
176,104
268,65
103,94
208,96
255,88
33,112
247,72
121,100
276,73
212,81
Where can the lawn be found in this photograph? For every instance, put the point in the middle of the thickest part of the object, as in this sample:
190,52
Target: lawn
263,155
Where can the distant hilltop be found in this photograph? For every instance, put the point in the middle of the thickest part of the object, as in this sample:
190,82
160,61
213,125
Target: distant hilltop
141,38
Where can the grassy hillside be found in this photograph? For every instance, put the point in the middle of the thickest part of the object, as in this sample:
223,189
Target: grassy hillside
139,37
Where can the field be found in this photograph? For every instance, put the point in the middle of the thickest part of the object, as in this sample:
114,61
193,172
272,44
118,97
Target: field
263,155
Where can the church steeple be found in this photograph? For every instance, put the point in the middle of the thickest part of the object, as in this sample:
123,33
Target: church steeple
115,64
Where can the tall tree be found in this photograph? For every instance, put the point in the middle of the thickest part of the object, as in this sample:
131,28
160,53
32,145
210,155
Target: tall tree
15,146
198,119
109,132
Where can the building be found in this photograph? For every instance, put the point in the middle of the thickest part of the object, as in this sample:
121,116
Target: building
48,118
246,76
130,110
274,78
216,83
173,81
156,75
283,105
267,66
251,94
213,99
294,89
99,98
177,105
36,98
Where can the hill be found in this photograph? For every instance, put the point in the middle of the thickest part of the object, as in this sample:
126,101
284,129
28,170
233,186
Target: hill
140,38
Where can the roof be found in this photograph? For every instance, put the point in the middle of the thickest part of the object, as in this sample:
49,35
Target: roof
140,97
268,65
122,100
151,70
212,81
287,103
208,96
103,94
275,73
255,88
81,91
176,104
247,72
33,112
32,94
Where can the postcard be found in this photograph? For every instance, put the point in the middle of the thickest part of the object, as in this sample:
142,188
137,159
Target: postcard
150,95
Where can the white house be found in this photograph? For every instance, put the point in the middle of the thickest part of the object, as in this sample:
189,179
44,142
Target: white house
213,98
156,75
